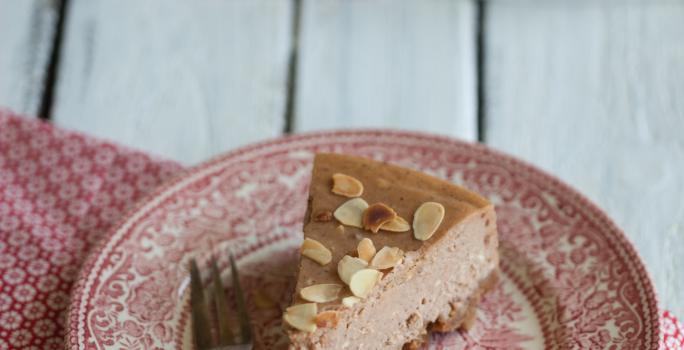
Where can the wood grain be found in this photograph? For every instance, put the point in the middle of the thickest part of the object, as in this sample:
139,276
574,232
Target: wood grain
27,30
592,92
185,80
399,64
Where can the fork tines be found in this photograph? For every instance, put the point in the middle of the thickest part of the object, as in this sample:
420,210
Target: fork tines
201,323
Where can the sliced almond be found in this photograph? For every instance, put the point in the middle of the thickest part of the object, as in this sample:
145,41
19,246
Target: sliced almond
327,319
321,293
349,265
377,215
316,251
398,224
366,249
363,281
302,316
347,186
427,219
323,216
387,258
350,301
340,229
351,212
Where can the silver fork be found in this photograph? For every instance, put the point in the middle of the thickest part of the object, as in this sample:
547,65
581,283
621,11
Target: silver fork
201,324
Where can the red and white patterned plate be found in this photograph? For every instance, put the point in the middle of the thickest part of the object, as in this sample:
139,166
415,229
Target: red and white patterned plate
570,277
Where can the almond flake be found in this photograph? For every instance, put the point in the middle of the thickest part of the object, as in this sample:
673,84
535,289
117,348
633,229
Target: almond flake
398,224
323,216
350,212
377,215
327,319
347,186
321,293
366,250
363,281
316,251
387,257
350,301
340,229
302,317
349,265
427,219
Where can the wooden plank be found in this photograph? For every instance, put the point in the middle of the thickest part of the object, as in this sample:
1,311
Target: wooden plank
592,91
402,64
27,30
185,80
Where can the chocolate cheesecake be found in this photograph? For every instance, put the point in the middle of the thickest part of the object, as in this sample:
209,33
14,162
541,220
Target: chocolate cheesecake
389,255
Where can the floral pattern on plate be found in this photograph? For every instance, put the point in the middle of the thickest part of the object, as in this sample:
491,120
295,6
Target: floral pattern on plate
570,277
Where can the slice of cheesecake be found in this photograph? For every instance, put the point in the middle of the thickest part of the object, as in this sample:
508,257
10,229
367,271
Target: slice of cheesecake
389,254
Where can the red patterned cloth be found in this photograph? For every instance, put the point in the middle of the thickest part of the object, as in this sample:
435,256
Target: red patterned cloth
673,332
59,192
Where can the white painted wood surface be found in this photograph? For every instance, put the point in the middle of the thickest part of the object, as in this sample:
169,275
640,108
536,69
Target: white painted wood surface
399,64
593,91
26,36
182,79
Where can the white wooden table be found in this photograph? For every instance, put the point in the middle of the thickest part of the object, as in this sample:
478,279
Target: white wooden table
592,91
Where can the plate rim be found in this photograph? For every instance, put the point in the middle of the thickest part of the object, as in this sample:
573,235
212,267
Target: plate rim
90,261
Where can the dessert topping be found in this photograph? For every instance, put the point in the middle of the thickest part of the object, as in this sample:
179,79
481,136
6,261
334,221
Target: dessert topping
350,301
349,265
316,251
347,186
377,215
366,249
363,281
387,257
321,293
323,216
327,319
427,219
351,212
302,316
398,224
